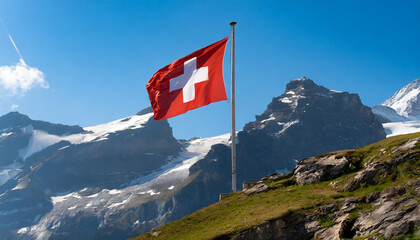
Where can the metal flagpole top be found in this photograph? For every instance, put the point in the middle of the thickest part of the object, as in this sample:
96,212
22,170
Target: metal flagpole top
232,23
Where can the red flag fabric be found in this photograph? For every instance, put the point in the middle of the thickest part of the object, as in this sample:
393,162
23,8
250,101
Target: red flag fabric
188,83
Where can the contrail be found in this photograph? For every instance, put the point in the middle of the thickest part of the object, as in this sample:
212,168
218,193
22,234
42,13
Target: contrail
11,40
14,45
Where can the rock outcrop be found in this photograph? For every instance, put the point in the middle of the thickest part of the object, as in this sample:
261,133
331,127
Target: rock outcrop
315,170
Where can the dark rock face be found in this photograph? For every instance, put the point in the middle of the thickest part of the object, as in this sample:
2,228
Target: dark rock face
306,120
293,226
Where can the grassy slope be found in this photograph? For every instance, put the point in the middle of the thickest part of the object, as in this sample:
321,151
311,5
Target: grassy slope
240,212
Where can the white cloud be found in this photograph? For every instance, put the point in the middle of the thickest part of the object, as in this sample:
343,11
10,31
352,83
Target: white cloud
19,78
14,107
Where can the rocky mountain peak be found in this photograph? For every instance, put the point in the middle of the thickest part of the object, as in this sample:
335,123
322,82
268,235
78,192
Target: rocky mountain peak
13,119
304,100
304,85
306,120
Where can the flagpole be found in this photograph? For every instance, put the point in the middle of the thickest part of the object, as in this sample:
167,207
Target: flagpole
232,75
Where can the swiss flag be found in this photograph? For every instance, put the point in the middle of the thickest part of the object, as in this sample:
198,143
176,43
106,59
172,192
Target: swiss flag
189,83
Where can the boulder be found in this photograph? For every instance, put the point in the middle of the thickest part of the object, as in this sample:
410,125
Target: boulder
317,169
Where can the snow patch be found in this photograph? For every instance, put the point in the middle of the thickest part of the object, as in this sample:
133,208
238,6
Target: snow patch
23,230
117,204
6,134
71,208
286,126
63,148
398,128
292,100
38,141
114,191
8,172
100,132
4,176
58,199
93,195
286,100
268,119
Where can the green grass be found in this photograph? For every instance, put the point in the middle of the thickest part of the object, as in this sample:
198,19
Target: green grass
415,235
359,208
326,222
240,212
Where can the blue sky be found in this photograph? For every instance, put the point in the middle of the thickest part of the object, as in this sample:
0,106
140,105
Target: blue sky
98,55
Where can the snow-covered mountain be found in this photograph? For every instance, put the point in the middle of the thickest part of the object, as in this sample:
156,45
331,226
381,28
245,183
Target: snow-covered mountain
48,161
123,178
406,101
400,114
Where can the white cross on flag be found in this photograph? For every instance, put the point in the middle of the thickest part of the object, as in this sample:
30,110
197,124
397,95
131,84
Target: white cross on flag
186,81
189,83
